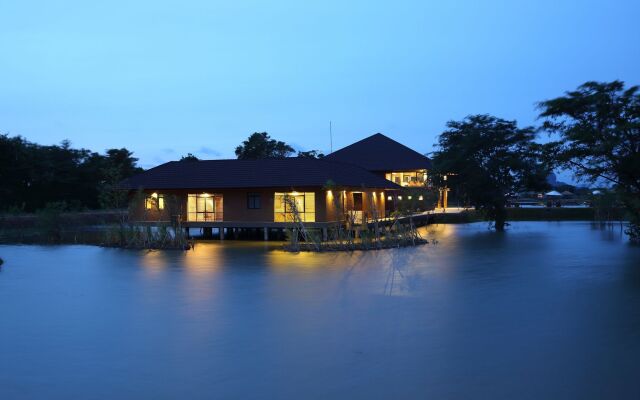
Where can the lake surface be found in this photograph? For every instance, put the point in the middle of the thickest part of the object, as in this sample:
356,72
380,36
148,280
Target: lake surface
546,310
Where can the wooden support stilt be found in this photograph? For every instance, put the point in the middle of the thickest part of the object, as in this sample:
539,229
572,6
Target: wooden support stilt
266,234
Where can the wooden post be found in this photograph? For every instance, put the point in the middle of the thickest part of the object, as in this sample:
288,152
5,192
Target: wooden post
266,234
445,198
207,233
325,236
221,233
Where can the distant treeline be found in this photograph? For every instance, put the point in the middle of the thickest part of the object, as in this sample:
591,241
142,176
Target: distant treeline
33,176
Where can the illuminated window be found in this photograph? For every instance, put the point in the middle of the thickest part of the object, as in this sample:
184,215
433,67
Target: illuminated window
253,201
304,203
408,178
204,207
154,201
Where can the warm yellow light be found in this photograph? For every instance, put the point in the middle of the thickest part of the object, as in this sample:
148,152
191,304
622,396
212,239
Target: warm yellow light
154,195
205,195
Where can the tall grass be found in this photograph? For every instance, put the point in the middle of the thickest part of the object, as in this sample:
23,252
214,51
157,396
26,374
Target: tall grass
346,235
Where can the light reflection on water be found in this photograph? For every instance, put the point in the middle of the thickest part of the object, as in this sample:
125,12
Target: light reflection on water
546,310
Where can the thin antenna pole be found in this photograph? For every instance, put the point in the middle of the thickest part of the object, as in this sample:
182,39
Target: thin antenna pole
330,139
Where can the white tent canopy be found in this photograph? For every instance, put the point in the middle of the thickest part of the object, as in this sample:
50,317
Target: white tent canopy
553,193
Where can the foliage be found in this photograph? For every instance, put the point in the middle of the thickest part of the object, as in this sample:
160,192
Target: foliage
346,235
189,157
260,145
310,154
33,175
490,157
50,221
160,235
598,129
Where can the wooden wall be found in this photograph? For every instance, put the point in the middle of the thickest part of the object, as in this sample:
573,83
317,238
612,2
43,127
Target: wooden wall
235,204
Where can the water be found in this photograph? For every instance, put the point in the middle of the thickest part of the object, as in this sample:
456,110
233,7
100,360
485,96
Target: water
547,310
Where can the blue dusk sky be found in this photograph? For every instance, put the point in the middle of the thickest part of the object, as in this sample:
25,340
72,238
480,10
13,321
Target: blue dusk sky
168,78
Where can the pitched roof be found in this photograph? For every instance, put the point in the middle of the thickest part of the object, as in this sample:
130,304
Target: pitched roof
227,174
381,153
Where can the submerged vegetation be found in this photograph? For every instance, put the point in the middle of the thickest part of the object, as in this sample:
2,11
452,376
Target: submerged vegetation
348,235
158,235
55,225
161,236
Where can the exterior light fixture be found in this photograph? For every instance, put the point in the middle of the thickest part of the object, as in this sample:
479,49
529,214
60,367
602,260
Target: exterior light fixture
399,197
389,198
420,198
409,197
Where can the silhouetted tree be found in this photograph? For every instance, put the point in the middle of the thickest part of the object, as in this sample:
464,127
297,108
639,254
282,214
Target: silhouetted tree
310,154
259,145
598,126
490,158
32,175
189,157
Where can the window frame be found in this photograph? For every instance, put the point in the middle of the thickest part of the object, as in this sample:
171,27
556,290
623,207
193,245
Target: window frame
152,202
308,212
204,213
254,201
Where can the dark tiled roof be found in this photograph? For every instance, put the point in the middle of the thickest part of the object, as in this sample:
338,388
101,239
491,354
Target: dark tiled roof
380,153
227,174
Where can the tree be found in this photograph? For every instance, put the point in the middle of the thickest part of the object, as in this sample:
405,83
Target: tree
259,145
189,157
490,157
33,176
118,164
598,127
310,154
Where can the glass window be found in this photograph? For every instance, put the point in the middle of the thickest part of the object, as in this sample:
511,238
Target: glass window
304,203
204,207
253,201
154,201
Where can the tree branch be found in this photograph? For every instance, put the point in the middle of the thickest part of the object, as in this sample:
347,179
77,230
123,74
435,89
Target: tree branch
590,171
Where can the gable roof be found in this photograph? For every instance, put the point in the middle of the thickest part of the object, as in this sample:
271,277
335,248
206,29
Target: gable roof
381,153
228,174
